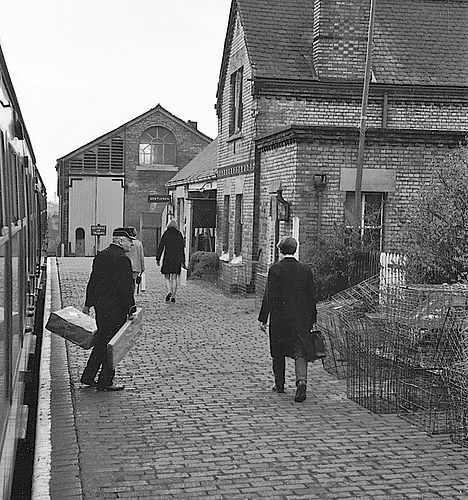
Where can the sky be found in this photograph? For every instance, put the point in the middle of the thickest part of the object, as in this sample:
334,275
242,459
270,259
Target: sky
81,68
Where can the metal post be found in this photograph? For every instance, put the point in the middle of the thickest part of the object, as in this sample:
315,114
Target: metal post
363,124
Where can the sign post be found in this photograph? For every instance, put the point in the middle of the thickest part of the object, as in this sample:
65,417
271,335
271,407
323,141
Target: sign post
98,231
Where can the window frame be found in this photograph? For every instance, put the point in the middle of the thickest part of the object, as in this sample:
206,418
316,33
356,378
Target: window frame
150,151
365,226
238,222
236,108
226,222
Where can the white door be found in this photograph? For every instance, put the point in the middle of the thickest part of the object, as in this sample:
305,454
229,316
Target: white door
92,201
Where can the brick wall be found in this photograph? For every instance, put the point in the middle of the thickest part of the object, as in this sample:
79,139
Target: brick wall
270,106
278,112
139,183
232,186
340,38
236,150
240,148
295,163
276,165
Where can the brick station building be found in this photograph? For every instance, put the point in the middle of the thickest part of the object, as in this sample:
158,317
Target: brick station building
119,179
289,104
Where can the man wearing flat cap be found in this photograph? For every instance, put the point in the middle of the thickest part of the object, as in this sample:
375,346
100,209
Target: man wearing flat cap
110,292
289,303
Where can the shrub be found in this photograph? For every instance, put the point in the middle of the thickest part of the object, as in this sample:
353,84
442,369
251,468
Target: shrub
203,265
437,226
339,261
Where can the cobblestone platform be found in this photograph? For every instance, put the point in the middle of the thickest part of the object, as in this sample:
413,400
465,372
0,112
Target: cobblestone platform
198,418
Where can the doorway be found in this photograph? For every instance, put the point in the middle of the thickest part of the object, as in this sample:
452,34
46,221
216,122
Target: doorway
79,242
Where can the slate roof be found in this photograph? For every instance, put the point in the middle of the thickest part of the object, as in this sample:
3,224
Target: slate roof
202,167
421,42
417,42
279,37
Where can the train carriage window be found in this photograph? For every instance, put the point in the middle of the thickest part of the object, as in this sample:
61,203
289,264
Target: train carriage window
30,224
21,168
16,305
3,340
2,181
13,171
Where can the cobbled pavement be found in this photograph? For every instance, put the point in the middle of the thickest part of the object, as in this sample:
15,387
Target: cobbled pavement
198,418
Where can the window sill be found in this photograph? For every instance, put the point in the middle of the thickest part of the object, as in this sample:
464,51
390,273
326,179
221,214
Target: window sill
157,168
235,137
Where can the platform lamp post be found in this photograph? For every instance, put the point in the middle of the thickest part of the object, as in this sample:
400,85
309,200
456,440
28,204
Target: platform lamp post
363,123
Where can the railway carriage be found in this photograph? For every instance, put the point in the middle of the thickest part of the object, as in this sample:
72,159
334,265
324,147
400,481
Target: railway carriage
23,218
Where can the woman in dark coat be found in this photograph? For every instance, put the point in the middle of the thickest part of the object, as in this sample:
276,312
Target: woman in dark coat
172,244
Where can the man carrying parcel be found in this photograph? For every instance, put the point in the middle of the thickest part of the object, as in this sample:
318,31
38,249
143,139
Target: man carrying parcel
110,292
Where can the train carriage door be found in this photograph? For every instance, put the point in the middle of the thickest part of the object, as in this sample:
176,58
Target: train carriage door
80,242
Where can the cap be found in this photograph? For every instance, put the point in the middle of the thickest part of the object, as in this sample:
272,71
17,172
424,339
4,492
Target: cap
132,230
123,231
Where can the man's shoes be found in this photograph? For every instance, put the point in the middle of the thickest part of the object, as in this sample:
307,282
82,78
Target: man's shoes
168,297
279,388
89,382
172,299
111,388
300,392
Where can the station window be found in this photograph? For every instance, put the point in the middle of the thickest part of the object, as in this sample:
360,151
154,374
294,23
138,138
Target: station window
238,224
372,213
236,108
227,202
157,148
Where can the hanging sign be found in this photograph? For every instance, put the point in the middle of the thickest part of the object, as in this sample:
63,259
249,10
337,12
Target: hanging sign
282,208
159,198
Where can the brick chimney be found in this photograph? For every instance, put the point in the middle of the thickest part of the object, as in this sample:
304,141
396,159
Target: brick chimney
340,38
192,124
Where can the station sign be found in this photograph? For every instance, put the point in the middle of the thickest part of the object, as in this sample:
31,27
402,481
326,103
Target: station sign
98,230
159,198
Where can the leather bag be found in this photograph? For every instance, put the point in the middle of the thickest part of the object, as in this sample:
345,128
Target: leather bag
315,345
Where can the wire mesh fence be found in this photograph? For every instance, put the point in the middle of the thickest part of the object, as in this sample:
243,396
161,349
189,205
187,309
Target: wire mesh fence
239,279
456,380
335,319
403,349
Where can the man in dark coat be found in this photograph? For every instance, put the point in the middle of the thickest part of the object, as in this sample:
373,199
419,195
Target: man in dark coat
289,301
110,292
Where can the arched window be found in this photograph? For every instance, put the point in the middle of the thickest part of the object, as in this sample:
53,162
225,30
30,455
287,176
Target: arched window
157,148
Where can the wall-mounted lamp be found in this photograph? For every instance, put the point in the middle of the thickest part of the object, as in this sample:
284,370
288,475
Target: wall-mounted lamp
320,181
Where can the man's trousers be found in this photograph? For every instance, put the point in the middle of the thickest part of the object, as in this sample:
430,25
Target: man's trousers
109,320
279,369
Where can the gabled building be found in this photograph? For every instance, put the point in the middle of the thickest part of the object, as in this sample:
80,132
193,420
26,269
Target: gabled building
193,191
289,103
119,179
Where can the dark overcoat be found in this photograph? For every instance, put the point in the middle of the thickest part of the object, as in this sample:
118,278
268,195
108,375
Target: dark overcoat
290,303
172,244
110,285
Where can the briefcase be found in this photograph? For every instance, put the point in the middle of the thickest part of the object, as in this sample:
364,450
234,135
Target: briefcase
314,345
73,325
124,339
